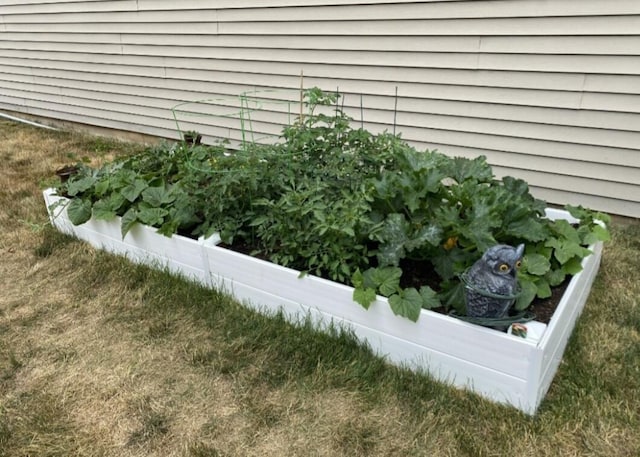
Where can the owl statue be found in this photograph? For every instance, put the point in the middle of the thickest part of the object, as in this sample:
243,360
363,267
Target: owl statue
494,274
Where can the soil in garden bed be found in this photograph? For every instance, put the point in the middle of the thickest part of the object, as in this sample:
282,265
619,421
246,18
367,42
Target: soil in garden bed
416,274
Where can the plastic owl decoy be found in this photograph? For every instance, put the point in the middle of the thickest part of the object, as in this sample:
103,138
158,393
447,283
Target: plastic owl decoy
491,283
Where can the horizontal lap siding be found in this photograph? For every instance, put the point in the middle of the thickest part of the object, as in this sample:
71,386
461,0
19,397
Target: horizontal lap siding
548,91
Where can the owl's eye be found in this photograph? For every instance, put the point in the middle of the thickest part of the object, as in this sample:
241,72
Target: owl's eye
504,267
518,263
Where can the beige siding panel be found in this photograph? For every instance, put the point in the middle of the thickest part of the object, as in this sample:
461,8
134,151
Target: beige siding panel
447,8
548,91
197,90
8,58
612,84
620,139
48,46
116,17
56,6
574,45
37,3
386,77
109,38
620,45
63,114
614,190
628,157
615,25
175,28
542,63
460,60
610,205
276,113
160,117
172,5
361,12
154,66
556,118
577,135
138,105
434,10
544,164
630,103
584,45
227,4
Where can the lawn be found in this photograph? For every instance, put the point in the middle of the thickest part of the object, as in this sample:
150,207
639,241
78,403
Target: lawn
100,357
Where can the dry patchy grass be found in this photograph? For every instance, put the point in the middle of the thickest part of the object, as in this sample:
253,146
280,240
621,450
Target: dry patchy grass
99,357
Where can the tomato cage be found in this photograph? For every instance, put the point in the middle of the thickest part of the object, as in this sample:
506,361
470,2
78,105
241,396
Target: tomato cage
255,116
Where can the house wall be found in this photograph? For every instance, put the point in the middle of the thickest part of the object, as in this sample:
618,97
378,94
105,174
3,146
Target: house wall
549,91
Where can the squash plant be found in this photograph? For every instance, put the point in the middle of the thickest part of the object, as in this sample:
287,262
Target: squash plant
343,203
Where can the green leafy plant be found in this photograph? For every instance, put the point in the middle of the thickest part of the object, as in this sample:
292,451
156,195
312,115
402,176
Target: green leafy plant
340,202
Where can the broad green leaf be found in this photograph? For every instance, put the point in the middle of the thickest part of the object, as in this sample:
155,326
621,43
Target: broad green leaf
543,289
479,234
102,186
572,266
152,216
168,228
393,236
555,277
566,230
407,303
564,250
357,279
448,264
132,191
102,210
123,177
455,298
515,186
79,211
536,264
81,185
108,207
419,160
527,229
475,169
183,214
431,234
597,233
429,298
584,214
364,296
527,294
259,220
129,219
157,196
577,211
386,280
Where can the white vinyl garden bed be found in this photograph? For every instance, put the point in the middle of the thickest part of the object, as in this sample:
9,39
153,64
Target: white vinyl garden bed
496,365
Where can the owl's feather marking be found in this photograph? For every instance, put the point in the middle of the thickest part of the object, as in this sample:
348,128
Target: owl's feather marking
494,272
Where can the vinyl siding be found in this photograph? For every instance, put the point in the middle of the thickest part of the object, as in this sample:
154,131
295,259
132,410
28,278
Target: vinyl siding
548,91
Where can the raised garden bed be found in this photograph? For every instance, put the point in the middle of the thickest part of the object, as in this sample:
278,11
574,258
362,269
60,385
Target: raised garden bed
496,365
